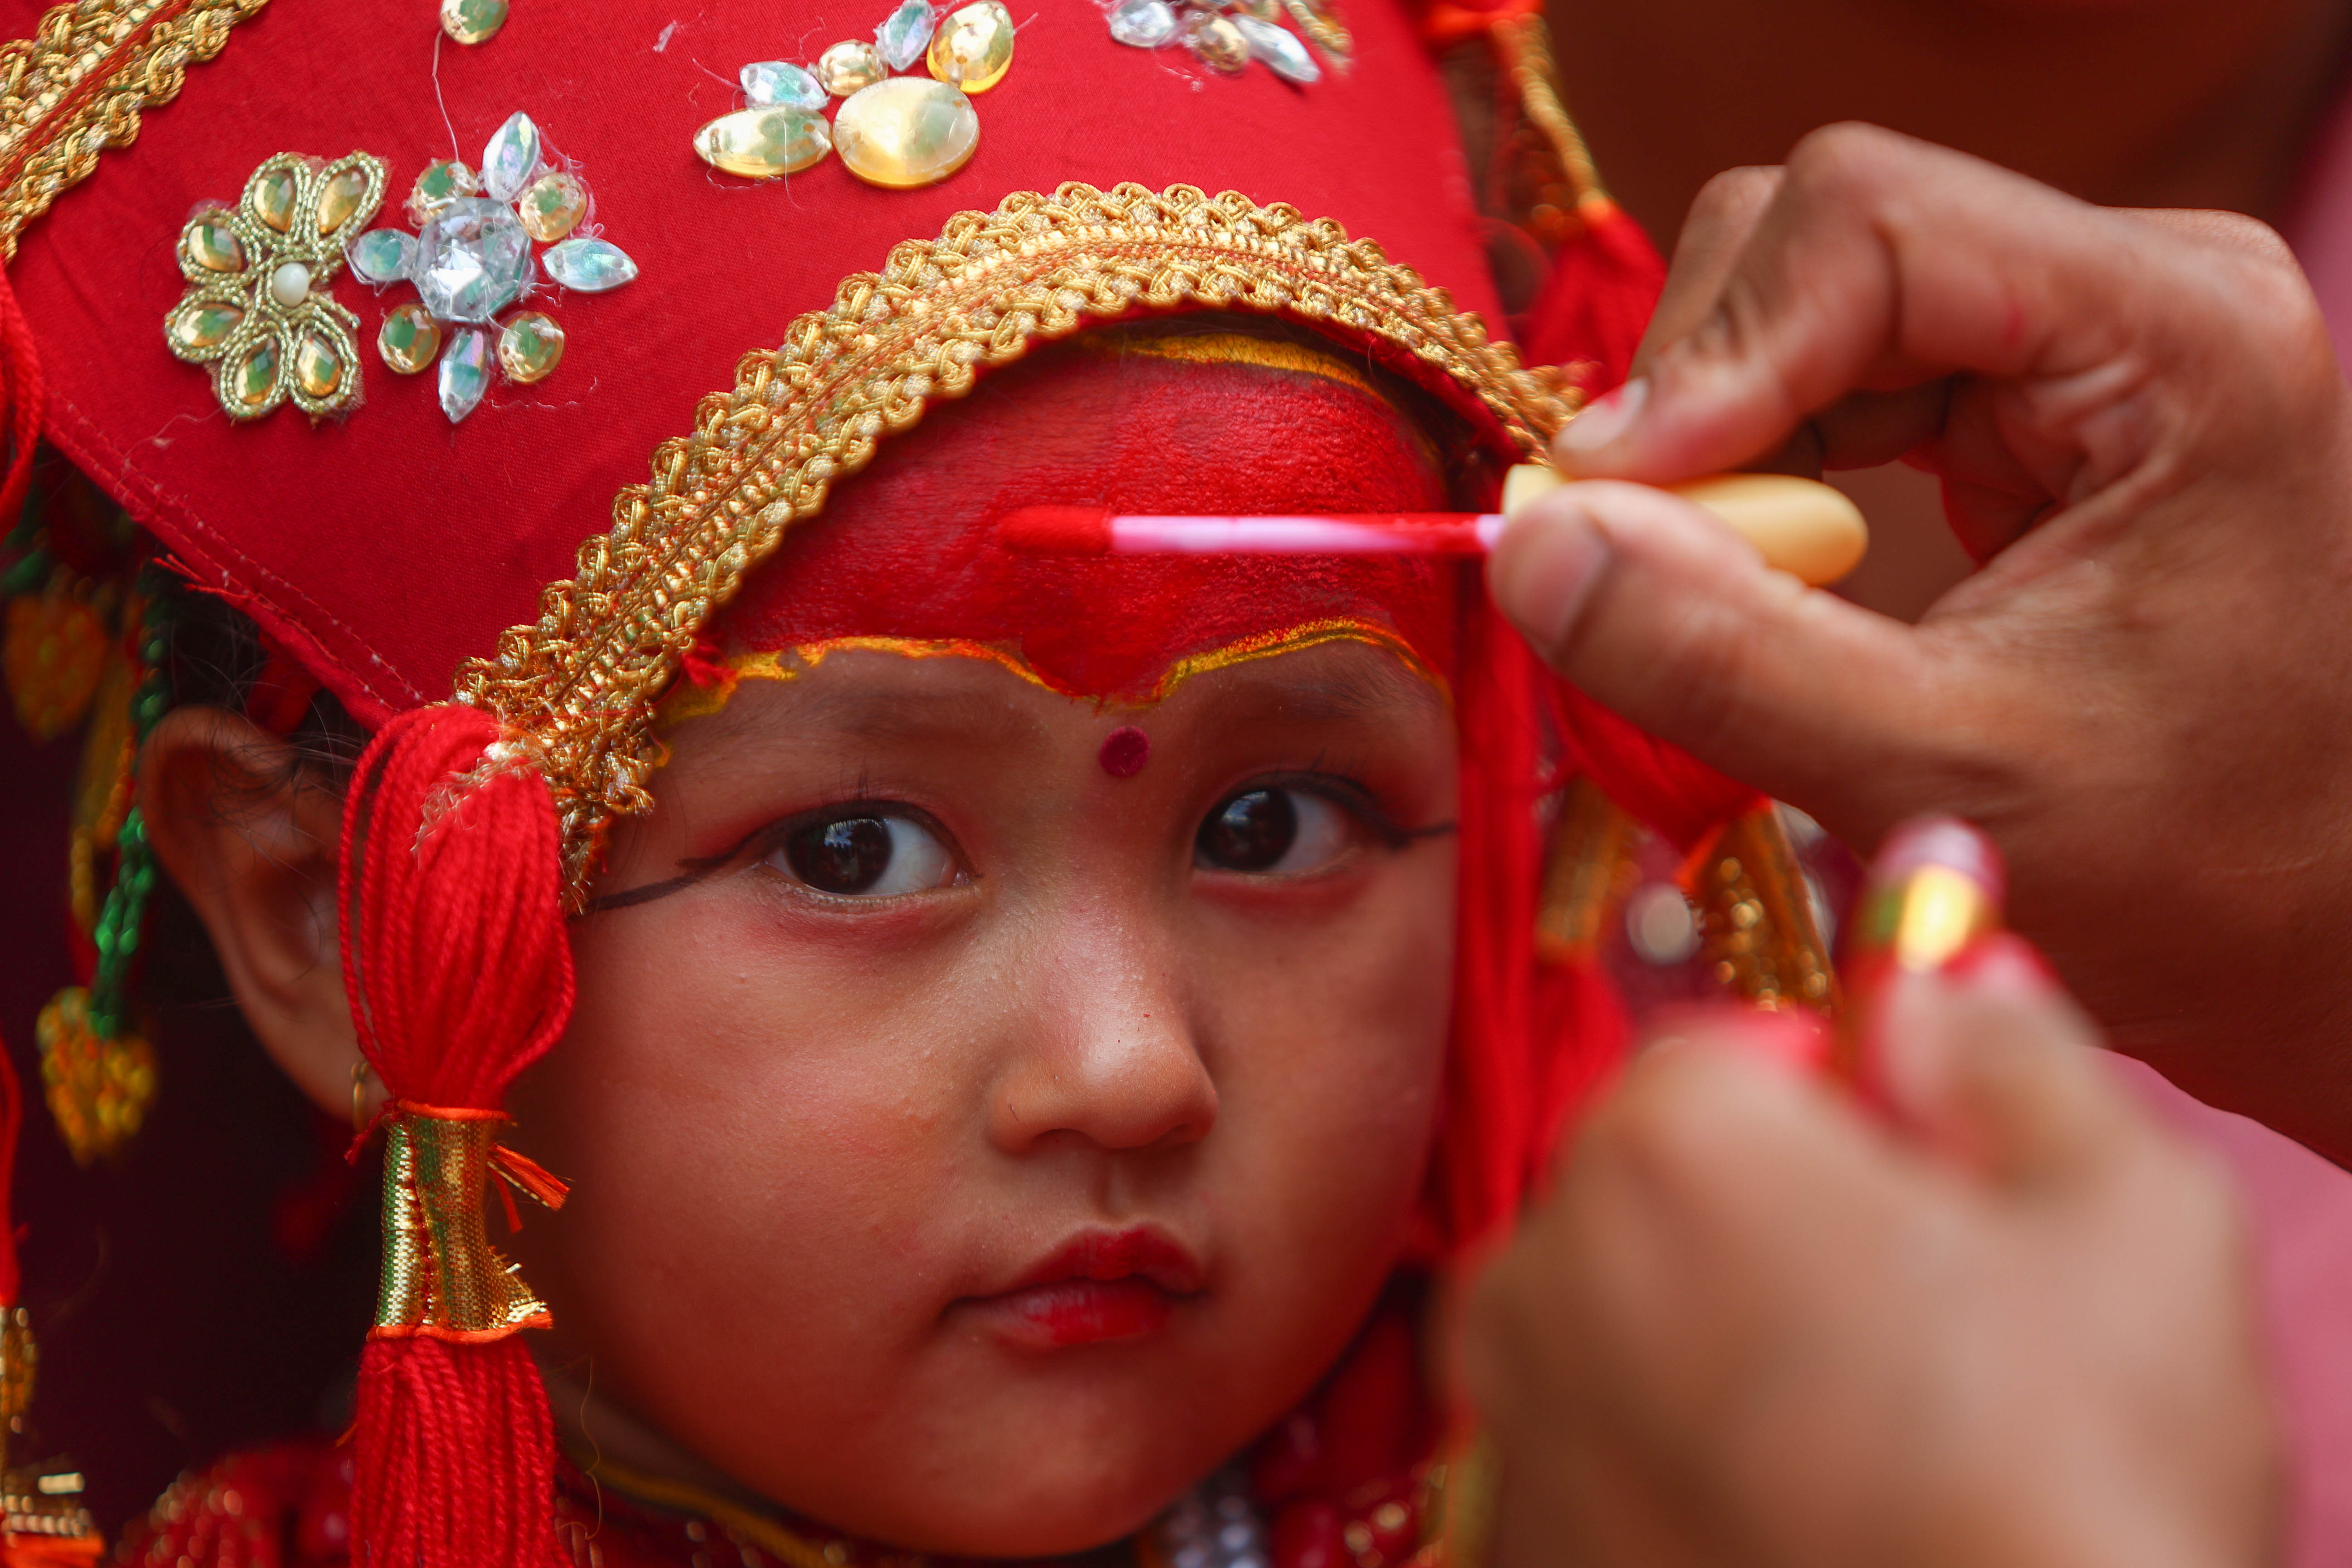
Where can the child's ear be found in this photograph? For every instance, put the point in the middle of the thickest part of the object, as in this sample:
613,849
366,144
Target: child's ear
250,836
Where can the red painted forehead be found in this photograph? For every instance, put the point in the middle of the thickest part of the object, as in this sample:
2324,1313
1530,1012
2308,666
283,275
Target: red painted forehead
1190,422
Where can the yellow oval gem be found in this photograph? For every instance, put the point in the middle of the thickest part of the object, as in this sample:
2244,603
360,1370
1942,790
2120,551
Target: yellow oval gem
1216,41
472,21
256,374
973,48
202,325
907,131
529,346
211,244
341,199
550,204
849,66
273,199
761,143
409,338
318,368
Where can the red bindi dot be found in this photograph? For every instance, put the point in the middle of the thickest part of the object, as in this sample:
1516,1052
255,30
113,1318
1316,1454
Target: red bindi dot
1125,751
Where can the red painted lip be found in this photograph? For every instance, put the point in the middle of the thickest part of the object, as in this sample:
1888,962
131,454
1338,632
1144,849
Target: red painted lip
1096,1287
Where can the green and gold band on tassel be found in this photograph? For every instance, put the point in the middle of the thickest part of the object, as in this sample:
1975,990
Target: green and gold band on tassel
1756,921
442,1277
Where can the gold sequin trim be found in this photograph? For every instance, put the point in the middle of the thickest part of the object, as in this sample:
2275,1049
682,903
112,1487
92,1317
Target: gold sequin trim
581,684
77,87
442,1277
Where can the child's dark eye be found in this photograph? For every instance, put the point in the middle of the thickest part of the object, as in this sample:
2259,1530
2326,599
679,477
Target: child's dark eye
877,856
1271,831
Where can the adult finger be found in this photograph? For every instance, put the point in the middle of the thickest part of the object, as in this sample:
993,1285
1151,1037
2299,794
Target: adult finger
1723,218
1994,1064
1883,263
1661,613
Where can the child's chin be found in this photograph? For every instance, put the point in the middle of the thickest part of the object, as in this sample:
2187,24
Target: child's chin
1033,1501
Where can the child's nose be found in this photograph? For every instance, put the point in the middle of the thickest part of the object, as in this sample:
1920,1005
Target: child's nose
1105,1048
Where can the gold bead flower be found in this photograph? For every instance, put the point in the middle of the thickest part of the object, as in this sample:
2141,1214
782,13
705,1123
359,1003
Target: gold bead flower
257,309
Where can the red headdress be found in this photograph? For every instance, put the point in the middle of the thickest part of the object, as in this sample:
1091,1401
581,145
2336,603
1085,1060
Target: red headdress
505,599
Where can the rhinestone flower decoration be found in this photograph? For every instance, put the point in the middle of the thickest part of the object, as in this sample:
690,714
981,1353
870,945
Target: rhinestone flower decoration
896,131
1226,34
257,309
473,256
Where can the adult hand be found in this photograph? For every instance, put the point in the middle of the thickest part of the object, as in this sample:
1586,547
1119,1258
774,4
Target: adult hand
2145,695
1752,1326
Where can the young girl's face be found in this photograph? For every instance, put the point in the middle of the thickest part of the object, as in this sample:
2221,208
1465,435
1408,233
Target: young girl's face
974,1147
983,1124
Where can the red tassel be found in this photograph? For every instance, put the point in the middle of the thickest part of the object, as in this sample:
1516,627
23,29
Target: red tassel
455,1457
27,398
459,975
1596,304
12,1116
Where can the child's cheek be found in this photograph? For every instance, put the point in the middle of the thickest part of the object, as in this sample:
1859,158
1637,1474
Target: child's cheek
758,1135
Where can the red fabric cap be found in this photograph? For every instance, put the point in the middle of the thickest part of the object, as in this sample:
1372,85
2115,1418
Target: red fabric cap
384,549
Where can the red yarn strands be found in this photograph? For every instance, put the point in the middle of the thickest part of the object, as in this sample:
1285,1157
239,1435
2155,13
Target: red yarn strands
12,1118
25,396
459,975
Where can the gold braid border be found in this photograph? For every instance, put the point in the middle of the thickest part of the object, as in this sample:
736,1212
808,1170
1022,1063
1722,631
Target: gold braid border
77,87
583,682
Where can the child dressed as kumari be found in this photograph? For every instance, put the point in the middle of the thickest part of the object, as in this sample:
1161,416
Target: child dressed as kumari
1025,1036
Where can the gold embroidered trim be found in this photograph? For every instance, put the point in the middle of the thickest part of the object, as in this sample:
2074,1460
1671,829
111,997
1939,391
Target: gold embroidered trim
790,663
441,1278
77,87
582,681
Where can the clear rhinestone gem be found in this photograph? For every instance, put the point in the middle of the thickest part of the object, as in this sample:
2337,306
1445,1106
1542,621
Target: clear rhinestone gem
439,185
902,37
848,66
473,21
472,260
512,158
529,347
550,205
779,83
1146,24
1280,48
408,338
383,255
465,372
973,48
591,266
761,143
906,132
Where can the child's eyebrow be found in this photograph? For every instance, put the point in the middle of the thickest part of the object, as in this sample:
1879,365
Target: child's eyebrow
1352,691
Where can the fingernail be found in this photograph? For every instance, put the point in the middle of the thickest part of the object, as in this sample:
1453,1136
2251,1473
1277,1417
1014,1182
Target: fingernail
1940,840
1604,421
1542,576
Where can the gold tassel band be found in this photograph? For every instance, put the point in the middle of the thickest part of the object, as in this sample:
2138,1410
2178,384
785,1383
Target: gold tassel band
442,1277
1756,916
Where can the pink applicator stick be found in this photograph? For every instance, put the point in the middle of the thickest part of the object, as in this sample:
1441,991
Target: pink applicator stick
1798,526
1089,531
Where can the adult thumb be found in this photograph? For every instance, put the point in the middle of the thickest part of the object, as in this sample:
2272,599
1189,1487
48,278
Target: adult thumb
1666,616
